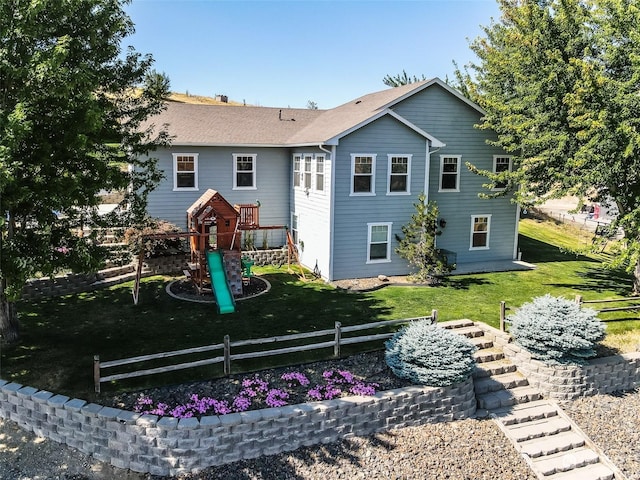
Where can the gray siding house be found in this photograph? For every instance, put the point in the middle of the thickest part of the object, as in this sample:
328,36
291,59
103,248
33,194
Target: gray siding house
344,180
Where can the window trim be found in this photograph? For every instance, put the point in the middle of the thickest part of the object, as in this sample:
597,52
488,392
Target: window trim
370,226
316,174
488,237
175,172
295,226
307,182
390,173
495,165
372,192
253,156
458,159
297,173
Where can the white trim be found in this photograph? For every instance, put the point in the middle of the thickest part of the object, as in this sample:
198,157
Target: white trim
495,164
253,171
175,172
297,173
458,173
389,225
515,240
314,182
332,209
372,192
473,218
390,156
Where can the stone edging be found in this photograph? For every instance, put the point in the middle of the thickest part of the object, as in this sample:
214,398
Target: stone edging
568,382
212,301
170,446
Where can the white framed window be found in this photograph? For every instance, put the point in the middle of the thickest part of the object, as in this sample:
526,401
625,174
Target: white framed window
501,163
399,179
308,169
363,174
480,230
379,242
449,173
294,228
244,171
185,171
297,170
319,184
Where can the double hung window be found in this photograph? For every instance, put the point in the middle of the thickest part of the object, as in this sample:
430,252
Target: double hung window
185,171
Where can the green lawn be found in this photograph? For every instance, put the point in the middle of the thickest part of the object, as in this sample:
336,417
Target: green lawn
60,336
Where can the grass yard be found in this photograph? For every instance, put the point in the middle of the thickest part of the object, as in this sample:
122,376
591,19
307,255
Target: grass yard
61,335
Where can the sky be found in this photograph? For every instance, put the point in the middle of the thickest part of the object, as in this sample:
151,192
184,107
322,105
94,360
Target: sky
286,53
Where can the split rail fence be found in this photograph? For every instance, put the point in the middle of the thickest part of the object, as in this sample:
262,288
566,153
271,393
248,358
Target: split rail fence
226,356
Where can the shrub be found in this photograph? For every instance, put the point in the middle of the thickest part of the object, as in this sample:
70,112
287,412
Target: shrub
427,354
556,330
155,247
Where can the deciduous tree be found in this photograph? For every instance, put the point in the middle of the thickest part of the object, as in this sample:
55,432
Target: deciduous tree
71,106
559,82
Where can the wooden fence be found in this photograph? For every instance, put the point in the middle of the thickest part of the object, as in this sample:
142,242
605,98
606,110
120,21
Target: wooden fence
226,356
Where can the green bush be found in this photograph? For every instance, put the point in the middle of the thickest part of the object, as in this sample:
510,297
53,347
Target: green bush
556,330
430,355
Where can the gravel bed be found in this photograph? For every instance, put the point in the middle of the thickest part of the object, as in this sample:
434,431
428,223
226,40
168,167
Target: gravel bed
463,450
613,423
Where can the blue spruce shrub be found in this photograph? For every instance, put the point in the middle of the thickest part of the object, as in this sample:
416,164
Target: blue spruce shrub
430,355
556,330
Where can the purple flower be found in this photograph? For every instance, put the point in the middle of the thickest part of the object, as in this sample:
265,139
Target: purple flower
324,392
295,379
364,389
277,398
241,404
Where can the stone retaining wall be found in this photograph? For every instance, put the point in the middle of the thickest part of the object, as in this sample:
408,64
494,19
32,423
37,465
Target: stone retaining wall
568,382
267,257
168,446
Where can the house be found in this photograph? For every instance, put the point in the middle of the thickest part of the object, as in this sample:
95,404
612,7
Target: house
345,180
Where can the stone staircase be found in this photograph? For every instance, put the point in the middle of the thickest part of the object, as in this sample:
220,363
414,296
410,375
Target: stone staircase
552,444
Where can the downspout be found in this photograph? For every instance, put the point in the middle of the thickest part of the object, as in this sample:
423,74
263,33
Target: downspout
427,171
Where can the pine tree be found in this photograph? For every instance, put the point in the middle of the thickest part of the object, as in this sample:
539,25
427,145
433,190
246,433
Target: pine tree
418,245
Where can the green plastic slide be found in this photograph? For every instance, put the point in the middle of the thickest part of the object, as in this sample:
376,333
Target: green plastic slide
219,284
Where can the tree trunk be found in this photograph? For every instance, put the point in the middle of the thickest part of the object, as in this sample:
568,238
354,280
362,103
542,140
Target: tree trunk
9,326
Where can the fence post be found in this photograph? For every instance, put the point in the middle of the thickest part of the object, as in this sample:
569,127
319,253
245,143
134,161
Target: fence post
96,373
579,299
338,337
434,316
227,355
503,309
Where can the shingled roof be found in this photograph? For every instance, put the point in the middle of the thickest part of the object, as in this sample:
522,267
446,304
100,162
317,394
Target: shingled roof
220,125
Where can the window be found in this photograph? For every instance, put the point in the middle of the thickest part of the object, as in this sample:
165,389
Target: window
307,171
363,169
294,228
297,160
399,174
501,164
480,225
185,171
379,243
450,173
320,173
244,171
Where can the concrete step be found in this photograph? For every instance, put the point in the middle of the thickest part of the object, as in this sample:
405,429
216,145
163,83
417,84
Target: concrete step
469,332
507,398
454,324
525,412
597,471
499,382
482,342
549,445
545,427
565,461
488,355
494,367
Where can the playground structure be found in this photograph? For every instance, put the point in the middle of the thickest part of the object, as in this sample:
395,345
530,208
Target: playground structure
215,229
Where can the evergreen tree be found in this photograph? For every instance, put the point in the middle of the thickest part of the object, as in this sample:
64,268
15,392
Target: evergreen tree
418,245
71,107
558,82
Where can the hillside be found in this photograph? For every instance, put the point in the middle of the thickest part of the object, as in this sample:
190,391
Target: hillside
199,99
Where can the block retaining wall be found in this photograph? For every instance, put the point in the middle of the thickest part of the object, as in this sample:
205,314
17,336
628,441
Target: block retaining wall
568,382
169,446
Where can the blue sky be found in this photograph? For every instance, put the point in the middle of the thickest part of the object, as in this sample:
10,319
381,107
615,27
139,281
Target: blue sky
285,53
